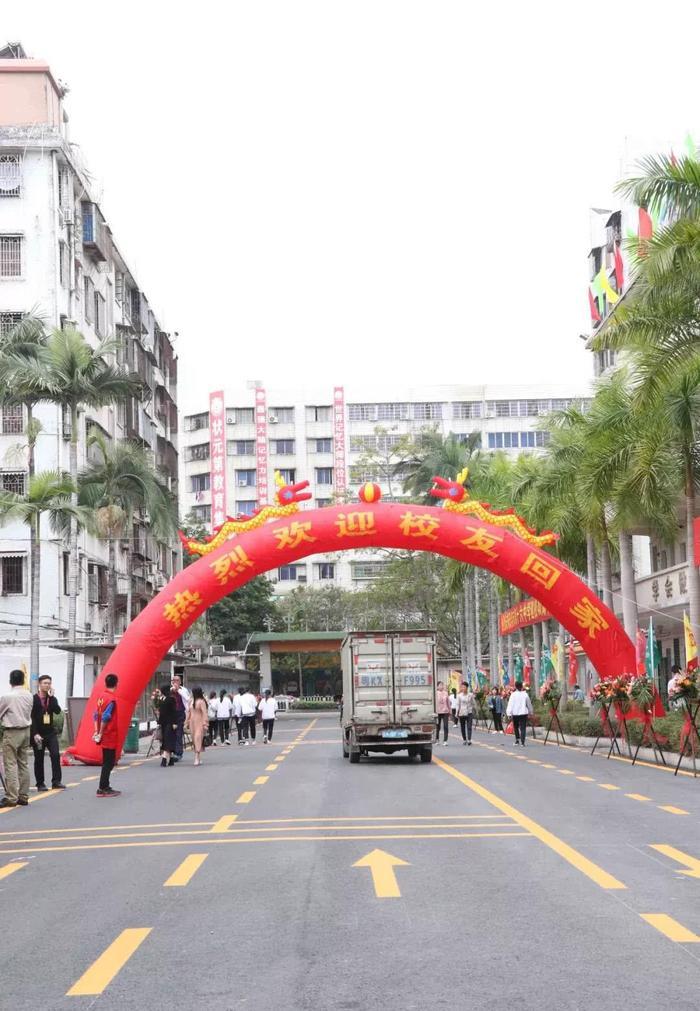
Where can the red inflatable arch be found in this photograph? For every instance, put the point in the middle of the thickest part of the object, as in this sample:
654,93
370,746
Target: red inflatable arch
466,538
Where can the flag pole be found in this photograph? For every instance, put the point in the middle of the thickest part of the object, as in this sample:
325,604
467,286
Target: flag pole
652,653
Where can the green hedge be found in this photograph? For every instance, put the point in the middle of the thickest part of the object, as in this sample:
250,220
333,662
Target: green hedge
327,706
576,720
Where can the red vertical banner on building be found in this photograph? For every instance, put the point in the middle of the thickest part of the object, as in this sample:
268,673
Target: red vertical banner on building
217,456
261,445
339,467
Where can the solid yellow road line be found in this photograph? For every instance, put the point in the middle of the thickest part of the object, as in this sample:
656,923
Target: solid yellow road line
271,767
223,824
186,871
637,796
11,868
682,858
670,928
246,797
672,810
101,828
105,968
608,786
260,780
586,779
572,856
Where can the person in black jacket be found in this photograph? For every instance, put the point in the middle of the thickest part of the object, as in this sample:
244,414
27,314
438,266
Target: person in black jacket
168,722
44,736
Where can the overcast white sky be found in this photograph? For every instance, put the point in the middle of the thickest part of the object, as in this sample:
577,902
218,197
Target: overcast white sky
316,190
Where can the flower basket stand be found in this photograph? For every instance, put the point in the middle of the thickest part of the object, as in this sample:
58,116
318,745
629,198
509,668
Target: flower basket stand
650,739
606,728
690,738
554,724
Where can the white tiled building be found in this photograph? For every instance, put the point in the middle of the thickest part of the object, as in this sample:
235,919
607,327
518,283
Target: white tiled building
337,438
59,259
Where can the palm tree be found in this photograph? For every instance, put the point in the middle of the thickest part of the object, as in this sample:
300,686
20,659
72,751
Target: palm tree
438,455
70,373
49,492
117,487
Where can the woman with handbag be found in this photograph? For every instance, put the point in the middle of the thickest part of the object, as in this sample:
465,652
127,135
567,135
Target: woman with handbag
197,723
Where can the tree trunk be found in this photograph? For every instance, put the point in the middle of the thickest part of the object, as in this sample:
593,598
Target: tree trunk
606,574
463,641
590,564
493,629
477,616
693,579
469,617
521,637
111,589
129,586
35,605
73,555
561,673
630,616
536,655
509,639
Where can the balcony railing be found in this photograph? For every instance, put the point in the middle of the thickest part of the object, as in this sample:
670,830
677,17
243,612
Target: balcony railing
95,233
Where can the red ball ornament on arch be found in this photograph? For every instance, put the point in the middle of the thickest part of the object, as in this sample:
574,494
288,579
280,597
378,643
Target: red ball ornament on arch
370,492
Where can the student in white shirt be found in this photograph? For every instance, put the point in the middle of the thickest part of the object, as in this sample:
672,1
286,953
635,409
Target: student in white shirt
268,708
223,716
238,715
213,715
249,707
519,708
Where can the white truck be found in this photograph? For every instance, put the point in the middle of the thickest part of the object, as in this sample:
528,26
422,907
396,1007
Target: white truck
388,693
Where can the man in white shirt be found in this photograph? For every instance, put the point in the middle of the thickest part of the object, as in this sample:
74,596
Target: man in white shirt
224,709
268,708
249,706
238,715
15,719
519,708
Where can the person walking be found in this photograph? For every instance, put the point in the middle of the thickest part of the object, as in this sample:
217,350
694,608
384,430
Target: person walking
15,719
223,714
249,707
238,715
496,707
466,704
519,708
44,735
168,723
453,705
198,723
578,695
268,709
212,714
443,712
106,734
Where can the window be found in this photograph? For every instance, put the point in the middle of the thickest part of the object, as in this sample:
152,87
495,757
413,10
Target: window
194,422
246,478
466,436
65,196
367,570
100,315
202,513
89,299
533,440
282,447
8,321
97,584
326,570
427,412
200,482
10,175
324,475
12,574
199,452
287,573
392,412
319,413
240,447
240,416
119,287
321,503
246,508
13,481
467,409
288,475
282,415
373,443
12,419
361,474
503,440
321,445
362,412
10,255
683,552
63,268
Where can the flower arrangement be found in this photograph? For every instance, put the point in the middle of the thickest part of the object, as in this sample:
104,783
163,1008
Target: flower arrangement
507,691
600,693
641,691
550,693
684,686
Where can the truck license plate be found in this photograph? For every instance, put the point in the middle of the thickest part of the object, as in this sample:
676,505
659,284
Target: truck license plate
394,733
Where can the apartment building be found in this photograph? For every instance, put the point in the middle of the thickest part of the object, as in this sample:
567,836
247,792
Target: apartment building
337,438
59,259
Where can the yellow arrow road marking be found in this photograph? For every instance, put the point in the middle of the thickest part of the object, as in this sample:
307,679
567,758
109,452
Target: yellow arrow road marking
381,865
183,874
105,968
670,928
11,868
680,857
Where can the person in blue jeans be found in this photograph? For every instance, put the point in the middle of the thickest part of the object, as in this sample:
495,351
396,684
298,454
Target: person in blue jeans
519,708
496,707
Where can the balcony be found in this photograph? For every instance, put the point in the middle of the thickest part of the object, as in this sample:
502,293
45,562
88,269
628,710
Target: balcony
95,233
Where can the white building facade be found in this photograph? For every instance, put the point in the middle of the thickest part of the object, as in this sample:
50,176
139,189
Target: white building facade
59,260
337,438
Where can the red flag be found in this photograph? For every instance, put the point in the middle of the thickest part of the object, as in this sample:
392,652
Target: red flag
619,269
641,651
646,226
527,666
593,306
573,664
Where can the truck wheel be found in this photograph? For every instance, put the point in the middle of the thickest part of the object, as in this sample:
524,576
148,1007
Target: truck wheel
412,752
354,756
345,747
426,755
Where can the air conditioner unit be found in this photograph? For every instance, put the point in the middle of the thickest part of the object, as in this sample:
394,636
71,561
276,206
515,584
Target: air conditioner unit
230,421
273,419
67,215
217,650
301,577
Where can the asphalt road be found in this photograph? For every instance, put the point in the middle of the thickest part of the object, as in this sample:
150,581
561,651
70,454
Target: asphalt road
505,877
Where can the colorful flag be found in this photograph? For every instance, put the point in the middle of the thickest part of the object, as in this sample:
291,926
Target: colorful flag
527,666
619,269
609,292
691,646
545,663
480,677
646,227
573,664
593,306
641,650
518,667
557,660
652,655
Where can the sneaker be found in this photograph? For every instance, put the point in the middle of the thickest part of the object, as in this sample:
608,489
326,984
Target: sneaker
58,786
22,801
42,789
213,744
8,803
464,743
228,742
246,743
252,742
264,740
444,744
469,743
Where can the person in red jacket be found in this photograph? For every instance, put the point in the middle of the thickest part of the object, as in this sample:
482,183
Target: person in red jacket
106,734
